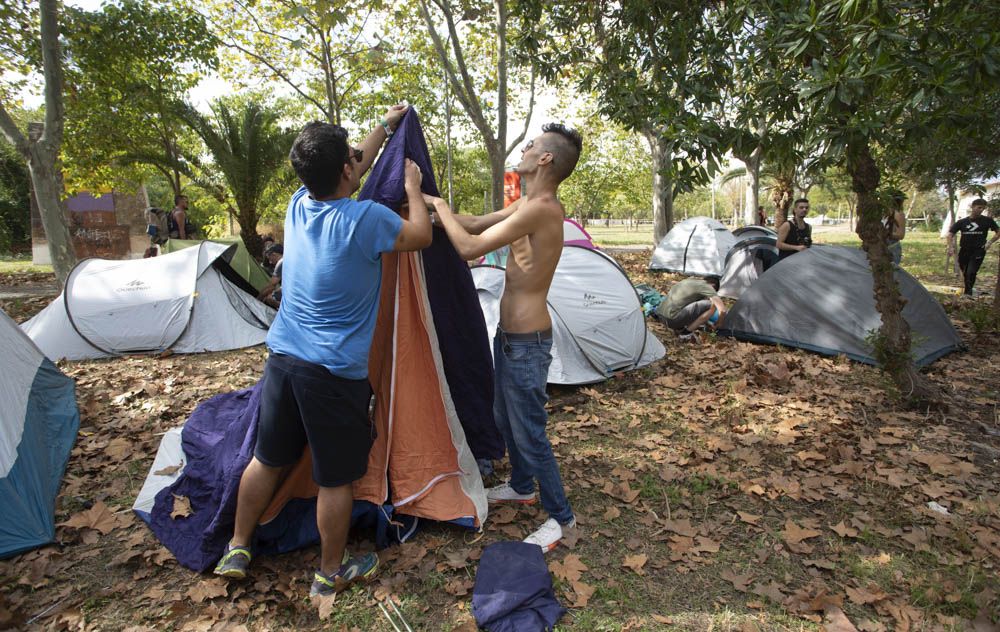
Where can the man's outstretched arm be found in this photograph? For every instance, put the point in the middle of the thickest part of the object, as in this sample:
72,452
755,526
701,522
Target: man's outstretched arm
501,233
476,224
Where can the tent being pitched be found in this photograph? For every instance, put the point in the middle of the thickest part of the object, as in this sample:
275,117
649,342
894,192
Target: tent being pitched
187,301
696,246
821,300
241,261
753,230
432,415
746,261
598,327
38,424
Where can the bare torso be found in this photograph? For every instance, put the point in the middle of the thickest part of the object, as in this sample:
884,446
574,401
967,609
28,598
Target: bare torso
530,267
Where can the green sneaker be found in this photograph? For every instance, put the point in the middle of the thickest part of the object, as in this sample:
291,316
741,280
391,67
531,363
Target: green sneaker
357,569
234,562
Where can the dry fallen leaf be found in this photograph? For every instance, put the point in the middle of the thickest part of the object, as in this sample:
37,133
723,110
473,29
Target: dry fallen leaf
793,533
570,569
99,517
182,507
169,470
636,562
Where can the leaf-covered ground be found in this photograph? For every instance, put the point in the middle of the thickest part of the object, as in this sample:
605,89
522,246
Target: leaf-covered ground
728,487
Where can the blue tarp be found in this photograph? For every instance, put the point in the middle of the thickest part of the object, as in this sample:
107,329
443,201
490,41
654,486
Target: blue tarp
513,591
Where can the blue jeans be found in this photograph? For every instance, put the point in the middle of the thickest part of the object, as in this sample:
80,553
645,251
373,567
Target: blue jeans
521,369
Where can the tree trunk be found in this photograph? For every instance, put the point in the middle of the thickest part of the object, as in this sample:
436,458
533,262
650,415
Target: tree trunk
47,184
996,297
248,232
753,187
784,193
497,159
892,343
663,195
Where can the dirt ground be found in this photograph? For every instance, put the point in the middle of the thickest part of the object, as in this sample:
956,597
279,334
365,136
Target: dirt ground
730,486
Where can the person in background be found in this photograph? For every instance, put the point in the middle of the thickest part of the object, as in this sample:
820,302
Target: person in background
267,241
692,304
271,293
178,224
761,216
973,245
895,227
795,235
156,226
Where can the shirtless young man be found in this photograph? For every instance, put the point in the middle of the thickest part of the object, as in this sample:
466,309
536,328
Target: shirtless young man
533,226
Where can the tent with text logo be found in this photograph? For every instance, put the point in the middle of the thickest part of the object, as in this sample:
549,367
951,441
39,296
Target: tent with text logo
38,424
186,301
598,327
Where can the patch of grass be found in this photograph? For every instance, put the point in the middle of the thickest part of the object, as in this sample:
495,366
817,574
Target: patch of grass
14,265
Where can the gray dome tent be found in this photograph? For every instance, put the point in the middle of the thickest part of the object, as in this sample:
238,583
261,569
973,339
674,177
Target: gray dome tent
598,327
753,230
746,261
696,246
821,300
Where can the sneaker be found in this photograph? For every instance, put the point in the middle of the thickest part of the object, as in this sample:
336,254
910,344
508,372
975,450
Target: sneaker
357,569
234,563
691,336
549,534
505,494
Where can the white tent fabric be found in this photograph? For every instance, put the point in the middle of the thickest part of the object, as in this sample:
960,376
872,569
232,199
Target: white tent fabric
575,234
181,301
696,246
744,264
821,299
598,326
21,359
169,456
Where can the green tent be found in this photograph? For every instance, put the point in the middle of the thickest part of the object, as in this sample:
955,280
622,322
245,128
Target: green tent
245,265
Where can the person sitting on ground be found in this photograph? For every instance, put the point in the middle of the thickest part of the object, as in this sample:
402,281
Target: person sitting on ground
267,241
271,293
972,246
692,304
795,235
895,226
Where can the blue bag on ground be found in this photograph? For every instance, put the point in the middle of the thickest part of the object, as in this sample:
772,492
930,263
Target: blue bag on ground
513,591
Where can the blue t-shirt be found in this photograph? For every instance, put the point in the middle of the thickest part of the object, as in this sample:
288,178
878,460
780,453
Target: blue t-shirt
330,282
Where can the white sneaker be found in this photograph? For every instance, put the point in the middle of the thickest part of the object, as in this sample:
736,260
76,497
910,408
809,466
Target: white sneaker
505,494
548,535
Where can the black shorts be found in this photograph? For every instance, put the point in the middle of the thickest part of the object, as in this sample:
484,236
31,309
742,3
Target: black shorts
302,403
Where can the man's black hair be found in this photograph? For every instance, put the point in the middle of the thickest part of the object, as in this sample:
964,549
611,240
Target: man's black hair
318,156
979,202
178,198
796,202
713,281
566,151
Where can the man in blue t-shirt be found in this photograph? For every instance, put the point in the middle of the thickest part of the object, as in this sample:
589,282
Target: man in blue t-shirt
315,387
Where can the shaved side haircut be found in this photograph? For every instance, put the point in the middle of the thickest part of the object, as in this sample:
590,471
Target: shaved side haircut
565,145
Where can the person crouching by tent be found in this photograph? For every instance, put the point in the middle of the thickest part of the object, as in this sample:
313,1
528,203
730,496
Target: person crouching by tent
315,386
271,293
690,305
533,227
795,235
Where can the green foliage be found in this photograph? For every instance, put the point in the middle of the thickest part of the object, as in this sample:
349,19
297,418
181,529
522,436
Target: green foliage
15,204
130,62
249,157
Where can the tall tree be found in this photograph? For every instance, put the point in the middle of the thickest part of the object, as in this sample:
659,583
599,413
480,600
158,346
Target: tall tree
487,25
42,152
660,69
129,63
880,74
248,150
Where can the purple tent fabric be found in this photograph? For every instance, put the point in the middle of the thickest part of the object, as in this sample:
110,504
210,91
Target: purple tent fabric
218,440
458,318
513,591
